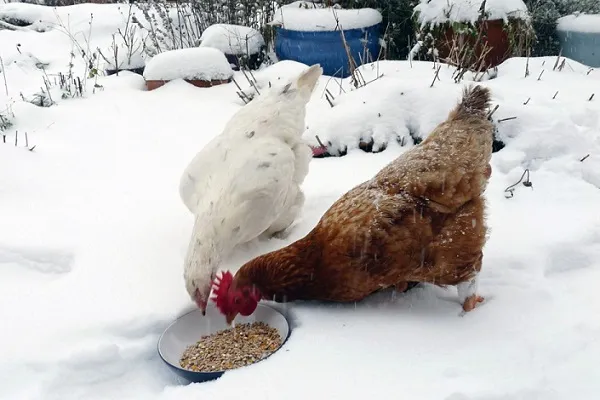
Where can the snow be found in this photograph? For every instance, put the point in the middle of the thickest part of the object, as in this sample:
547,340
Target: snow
589,23
202,63
441,11
93,236
232,39
300,16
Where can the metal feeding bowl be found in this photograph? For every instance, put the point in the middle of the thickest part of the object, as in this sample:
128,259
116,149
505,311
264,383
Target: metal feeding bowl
190,327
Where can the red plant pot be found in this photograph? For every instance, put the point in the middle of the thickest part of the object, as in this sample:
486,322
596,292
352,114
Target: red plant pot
155,84
493,35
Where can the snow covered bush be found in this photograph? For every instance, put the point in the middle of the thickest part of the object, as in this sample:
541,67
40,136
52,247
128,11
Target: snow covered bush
127,50
180,25
123,54
545,13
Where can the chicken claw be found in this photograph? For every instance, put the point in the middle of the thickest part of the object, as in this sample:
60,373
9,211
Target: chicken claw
471,302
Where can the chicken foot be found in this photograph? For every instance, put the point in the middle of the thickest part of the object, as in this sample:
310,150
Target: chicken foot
404,286
467,294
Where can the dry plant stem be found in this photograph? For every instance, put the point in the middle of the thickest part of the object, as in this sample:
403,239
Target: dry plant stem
591,97
4,75
555,94
507,119
540,76
231,348
437,72
527,101
584,158
557,60
320,143
493,111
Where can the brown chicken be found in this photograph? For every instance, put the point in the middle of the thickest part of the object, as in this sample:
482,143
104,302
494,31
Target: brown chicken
420,219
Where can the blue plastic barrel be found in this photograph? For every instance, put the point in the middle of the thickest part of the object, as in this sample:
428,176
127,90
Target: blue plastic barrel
583,47
327,48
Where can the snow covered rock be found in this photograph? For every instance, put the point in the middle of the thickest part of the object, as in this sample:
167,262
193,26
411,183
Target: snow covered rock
303,16
202,64
440,11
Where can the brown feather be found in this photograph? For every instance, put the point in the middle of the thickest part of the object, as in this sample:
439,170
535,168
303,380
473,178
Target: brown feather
420,219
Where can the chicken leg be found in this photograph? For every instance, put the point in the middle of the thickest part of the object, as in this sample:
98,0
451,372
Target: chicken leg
467,294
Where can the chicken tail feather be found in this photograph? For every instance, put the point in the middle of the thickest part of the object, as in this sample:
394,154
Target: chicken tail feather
476,100
309,78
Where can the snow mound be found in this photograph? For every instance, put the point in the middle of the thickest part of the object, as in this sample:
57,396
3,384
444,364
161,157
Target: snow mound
589,23
232,39
395,110
441,11
298,16
202,63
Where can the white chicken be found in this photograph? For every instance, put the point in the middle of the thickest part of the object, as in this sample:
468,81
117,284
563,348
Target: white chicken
245,183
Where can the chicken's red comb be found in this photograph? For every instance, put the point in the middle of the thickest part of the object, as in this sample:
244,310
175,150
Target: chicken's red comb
221,286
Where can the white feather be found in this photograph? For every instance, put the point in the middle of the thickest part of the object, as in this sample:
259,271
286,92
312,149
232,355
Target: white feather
246,181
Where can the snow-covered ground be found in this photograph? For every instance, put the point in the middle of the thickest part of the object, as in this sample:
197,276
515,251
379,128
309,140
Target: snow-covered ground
93,236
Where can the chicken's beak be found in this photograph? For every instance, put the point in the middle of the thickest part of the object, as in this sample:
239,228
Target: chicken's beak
230,317
200,301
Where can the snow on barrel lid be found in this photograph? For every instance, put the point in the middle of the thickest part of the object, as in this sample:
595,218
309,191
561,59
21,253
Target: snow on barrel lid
309,17
442,11
232,39
195,63
587,23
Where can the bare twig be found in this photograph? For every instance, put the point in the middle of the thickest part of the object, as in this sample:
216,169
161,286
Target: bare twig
557,59
555,94
591,97
4,75
437,72
509,191
507,119
493,111
320,143
329,99
526,102
584,158
540,76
